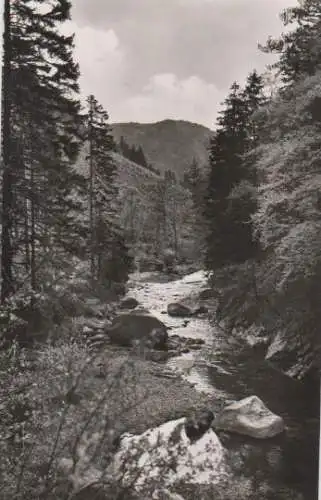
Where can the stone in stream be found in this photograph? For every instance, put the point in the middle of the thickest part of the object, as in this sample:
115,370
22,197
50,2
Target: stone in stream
250,417
126,329
128,303
175,309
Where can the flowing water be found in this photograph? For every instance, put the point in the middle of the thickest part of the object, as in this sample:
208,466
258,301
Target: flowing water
285,467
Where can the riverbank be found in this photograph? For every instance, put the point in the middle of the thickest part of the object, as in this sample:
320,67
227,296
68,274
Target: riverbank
62,392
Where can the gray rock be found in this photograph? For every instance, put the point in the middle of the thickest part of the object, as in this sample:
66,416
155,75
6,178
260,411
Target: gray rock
250,417
201,462
129,303
128,328
190,341
178,310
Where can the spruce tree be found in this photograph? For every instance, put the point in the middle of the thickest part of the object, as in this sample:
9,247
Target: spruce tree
226,148
7,163
299,49
230,197
43,137
108,253
193,182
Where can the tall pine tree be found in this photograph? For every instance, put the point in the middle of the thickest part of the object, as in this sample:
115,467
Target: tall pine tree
43,137
299,49
108,253
230,198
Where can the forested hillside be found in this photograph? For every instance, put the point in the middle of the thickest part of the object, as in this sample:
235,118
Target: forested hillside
262,206
169,144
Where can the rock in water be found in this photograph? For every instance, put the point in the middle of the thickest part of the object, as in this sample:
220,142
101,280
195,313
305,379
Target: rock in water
128,328
129,303
250,417
178,310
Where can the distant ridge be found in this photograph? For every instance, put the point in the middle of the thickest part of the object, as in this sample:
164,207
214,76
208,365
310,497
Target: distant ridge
168,144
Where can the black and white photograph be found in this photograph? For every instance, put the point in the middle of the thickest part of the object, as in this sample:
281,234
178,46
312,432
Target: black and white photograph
160,249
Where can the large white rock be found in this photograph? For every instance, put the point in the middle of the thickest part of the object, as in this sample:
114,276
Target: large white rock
159,457
251,417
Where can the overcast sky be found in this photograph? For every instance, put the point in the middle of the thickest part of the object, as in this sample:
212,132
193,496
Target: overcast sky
146,60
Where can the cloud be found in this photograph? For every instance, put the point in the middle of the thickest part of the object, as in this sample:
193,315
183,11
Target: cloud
102,63
146,60
157,58
165,95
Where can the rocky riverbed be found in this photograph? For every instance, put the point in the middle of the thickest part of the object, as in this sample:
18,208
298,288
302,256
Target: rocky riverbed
266,423
228,371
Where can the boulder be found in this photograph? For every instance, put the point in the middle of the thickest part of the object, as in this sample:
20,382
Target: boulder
250,417
127,329
165,455
129,303
178,310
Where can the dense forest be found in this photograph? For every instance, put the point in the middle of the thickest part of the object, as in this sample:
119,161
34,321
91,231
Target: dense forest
74,229
262,200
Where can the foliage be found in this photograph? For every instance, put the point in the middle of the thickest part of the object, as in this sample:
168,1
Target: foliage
288,218
62,410
135,154
279,291
168,144
43,120
299,49
230,197
158,215
108,253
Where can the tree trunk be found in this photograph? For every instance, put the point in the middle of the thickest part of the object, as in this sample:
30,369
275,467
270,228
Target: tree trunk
26,229
7,174
91,193
33,229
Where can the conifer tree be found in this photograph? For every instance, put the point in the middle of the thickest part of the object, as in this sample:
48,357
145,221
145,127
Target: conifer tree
108,253
193,182
43,137
299,49
230,198
6,145
226,148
